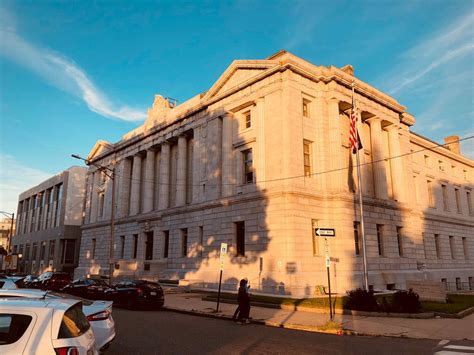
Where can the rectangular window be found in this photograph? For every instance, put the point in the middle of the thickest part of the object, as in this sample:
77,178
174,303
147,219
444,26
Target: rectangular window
464,248
135,246
458,284
33,209
306,111
166,237
52,249
20,250
149,246
49,204
122,247
201,240
357,235
471,283
94,242
437,246
452,247
307,158
444,190
43,251
184,242
380,239
27,208
248,166
26,257
101,204
34,251
400,241
469,202
458,200
40,210
247,119
445,283
240,238
68,251
430,193
58,198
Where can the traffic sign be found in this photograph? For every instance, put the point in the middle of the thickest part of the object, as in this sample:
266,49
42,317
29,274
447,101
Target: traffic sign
325,232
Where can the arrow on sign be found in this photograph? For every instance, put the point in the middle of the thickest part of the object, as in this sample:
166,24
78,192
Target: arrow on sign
325,232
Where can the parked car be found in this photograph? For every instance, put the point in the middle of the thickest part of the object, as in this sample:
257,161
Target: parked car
50,280
44,326
135,294
98,313
93,289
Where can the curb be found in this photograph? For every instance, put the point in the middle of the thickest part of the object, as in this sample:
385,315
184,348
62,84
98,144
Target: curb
306,328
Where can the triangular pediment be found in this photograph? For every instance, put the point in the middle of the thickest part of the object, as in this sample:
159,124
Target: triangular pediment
237,73
99,148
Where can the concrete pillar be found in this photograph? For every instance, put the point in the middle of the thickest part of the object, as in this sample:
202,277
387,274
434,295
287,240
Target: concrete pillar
336,159
380,175
396,164
135,185
94,199
164,176
123,196
260,156
181,171
148,190
227,155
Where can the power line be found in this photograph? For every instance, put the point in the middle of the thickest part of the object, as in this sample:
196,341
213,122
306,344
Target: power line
296,176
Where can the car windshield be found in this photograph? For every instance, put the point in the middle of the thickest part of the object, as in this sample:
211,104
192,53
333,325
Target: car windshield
64,295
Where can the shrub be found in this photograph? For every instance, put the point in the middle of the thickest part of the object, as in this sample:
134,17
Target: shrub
361,300
406,302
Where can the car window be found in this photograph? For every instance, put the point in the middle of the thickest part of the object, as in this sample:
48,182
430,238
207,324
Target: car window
74,323
2,283
12,327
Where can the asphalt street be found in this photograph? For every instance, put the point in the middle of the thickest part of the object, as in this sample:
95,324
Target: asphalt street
165,332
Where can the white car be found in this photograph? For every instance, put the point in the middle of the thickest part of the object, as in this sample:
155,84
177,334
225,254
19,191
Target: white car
44,326
98,313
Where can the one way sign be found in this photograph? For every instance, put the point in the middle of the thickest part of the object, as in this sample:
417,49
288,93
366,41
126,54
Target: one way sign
325,232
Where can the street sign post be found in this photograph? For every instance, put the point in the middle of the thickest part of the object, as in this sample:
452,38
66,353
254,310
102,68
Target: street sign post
222,256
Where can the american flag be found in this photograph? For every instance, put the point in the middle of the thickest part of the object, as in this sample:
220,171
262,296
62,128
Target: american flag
353,134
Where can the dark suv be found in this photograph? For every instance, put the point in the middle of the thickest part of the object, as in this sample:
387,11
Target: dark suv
50,280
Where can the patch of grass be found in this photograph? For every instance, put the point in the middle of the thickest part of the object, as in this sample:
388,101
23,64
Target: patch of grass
330,325
455,304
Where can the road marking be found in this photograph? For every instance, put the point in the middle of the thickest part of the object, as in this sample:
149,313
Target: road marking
443,342
460,347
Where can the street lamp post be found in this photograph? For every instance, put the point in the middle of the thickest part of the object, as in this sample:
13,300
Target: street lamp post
110,174
12,216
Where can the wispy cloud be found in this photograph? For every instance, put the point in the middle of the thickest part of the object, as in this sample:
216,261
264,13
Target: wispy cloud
14,179
60,72
455,41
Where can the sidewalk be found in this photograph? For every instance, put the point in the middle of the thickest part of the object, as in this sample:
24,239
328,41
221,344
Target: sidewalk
438,328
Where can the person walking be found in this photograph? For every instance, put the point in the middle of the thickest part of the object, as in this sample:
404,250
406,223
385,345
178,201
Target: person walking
243,297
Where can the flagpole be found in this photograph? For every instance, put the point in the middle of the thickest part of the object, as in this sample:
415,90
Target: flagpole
361,209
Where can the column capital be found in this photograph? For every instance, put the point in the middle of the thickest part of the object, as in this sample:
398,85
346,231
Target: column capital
392,127
373,119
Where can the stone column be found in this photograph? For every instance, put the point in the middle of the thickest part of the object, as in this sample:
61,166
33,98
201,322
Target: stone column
380,175
260,156
396,164
94,199
336,159
227,160
164,176
149,181
181,171
123,197
135,185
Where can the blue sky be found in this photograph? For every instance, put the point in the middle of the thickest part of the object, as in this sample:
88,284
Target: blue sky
74,72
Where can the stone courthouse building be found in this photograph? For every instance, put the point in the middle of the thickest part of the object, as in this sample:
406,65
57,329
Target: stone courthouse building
259,161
